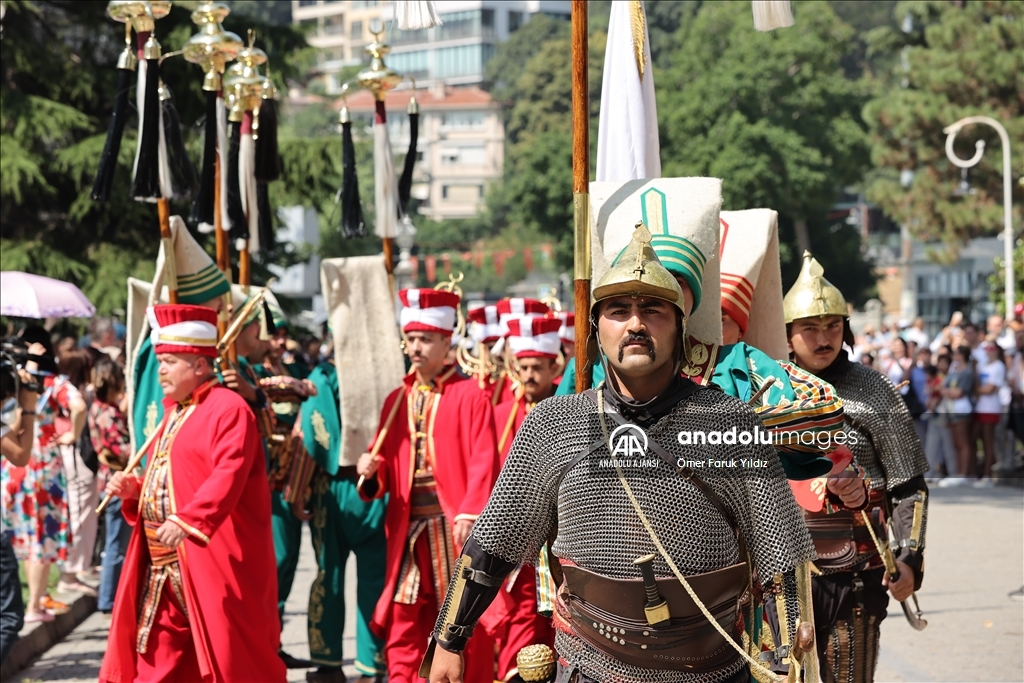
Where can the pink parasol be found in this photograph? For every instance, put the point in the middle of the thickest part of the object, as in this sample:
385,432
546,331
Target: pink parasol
33,296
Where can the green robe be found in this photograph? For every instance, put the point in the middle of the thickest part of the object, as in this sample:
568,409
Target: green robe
321,419
342,524
147,407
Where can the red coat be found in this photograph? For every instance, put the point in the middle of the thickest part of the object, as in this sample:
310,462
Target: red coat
222,499
501,417
465,467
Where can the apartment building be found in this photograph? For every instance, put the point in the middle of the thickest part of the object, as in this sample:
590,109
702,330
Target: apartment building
455,53
460,148
461,138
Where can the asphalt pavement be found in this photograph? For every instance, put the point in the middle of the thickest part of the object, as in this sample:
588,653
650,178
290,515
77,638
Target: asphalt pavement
975,633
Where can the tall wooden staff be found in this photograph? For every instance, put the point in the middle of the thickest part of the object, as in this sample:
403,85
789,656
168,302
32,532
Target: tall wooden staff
211,49
243,91
581,190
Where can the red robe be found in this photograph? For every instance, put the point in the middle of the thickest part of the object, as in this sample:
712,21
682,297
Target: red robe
465,467
222,499
513,619
498,391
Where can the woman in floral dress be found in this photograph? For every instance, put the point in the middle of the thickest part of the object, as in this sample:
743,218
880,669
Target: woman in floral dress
34,497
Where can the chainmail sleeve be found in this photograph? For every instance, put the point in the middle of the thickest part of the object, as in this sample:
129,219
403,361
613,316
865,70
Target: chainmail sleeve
522,510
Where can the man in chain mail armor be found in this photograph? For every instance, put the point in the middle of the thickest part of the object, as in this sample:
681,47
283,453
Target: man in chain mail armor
628,537
850,597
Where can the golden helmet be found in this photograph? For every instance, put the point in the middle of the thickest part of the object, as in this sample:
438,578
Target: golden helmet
639,272
812,296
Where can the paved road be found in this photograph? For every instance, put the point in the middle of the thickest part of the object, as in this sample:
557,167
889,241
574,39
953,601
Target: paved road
975,632
77,658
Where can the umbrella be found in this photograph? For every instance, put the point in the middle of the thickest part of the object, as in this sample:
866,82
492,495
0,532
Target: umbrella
33,296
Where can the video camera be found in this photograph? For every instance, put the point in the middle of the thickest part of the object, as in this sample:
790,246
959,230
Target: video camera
13,357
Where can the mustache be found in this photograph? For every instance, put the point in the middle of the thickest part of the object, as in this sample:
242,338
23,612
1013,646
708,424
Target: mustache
637,338
823,349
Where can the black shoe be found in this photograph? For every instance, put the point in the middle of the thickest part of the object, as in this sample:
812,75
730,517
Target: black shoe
294,662
326,674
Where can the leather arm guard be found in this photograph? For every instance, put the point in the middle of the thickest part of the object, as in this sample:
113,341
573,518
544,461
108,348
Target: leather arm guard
909,521
475,583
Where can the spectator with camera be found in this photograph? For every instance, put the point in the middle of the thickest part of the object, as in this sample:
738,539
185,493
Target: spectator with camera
34,495
16,429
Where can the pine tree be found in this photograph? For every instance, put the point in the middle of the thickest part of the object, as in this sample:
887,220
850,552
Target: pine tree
950,60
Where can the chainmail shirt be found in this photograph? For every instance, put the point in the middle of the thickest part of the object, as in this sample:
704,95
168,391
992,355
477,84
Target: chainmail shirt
598,528
887,445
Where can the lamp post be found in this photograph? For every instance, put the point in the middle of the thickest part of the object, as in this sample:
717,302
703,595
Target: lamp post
979,146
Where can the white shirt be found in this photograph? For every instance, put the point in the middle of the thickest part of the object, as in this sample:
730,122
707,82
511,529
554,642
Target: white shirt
919,337
993,373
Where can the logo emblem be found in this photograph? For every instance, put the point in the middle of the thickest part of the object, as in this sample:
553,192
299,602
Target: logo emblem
628,441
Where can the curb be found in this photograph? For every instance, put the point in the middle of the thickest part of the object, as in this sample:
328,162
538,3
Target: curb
38,637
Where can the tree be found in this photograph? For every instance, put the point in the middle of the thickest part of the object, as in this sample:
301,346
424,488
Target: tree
56,90
770,113
956,59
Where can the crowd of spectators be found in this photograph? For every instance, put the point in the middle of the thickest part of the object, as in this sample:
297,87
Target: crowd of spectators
964,387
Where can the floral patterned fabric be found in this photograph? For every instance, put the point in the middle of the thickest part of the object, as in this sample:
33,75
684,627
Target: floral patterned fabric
35,507
108,429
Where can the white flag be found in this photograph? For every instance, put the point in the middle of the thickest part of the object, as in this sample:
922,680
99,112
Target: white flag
627,134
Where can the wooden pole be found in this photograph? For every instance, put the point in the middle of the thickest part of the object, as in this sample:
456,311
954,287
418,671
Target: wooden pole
581,190
245,268
223,252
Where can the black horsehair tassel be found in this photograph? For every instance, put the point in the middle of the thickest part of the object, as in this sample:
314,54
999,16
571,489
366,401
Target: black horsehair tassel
202,206
405,181
266,218
236,213
268,160
112,147
146,184
352,224
183,174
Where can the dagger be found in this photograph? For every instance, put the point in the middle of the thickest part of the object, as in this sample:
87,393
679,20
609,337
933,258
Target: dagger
656,608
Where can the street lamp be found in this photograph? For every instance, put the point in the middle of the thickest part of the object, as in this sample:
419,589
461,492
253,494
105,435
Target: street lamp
979,147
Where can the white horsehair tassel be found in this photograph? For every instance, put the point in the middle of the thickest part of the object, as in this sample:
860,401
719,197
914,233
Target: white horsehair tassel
222,153
772,14
411,15
140,106
247,188
385,183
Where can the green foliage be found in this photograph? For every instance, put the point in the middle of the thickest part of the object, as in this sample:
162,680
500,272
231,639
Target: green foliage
536,193
996,283
961,59
770,113
56,93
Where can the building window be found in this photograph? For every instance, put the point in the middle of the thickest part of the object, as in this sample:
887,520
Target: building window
355,30
465,194
420,35
462,120
515,20
307,3
360,4
464,60
334,25
469,155
309,26
463,25
415,64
